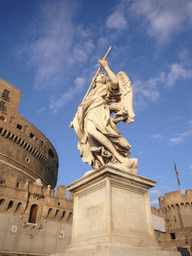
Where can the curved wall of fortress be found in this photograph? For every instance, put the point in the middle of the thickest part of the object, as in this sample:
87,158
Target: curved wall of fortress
176,210
24,151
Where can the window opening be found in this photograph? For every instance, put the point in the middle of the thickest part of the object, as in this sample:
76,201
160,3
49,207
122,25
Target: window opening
18,209
27,160
56,213
5,94
33,213
2,104
5,131
10,205
19,127
31,135
50,212
172,235
63,214
2,201
51,153
42,143
2,118
70,214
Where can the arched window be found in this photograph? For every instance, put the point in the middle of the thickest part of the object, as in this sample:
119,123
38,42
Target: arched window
63,215
50,212
18,209
2,201
33,213
56,213
10,205
70,215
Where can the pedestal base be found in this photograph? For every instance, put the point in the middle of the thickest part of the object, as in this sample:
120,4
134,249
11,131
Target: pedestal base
117,251
112,216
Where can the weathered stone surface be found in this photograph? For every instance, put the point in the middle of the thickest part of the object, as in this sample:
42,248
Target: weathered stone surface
100,141
112,215
50,229
25,151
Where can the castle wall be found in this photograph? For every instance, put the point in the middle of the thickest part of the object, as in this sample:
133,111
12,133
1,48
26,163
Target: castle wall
42,238
33,219
176,210
25,151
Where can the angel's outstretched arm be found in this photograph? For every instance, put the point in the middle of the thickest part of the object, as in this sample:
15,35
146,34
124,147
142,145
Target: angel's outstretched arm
112,76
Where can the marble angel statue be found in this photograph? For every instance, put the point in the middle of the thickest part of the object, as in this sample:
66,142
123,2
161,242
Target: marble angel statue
100,141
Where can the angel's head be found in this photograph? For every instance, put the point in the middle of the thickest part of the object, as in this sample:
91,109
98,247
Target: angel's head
101,78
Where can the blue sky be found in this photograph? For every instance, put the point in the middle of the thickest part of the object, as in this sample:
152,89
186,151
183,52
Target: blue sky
50,49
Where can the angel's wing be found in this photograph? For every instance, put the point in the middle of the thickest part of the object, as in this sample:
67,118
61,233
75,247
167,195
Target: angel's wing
124,107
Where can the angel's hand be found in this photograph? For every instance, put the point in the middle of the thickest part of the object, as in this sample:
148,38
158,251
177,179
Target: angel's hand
103,63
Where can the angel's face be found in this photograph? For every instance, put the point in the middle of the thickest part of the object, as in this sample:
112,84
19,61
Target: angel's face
101,78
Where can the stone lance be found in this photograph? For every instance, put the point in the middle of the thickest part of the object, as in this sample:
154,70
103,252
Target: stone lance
93,80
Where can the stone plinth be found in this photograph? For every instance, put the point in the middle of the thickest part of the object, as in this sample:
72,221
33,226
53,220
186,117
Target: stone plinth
112,215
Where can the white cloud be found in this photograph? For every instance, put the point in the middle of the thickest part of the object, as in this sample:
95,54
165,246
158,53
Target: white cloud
166,188
83,33
68,96
149,89
40,110
146,90
89,46
55,44
182,191
103,42
140,152
50,43
177,72
156,193
116,20
155,203
181,137
163,18
157,136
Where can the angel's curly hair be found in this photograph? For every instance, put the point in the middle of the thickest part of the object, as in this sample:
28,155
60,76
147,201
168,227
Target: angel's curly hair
107,78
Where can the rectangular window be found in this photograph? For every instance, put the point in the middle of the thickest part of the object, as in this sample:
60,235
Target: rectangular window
2,104
5,94
42,143
31,135
172,235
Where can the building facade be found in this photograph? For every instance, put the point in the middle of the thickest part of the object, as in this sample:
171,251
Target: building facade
24,150
176,210
34,221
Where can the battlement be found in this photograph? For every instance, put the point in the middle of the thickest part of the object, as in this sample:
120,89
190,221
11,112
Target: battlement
157,212
175,208
175,199
20,198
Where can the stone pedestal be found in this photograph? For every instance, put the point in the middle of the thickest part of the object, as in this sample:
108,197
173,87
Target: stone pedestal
112,215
